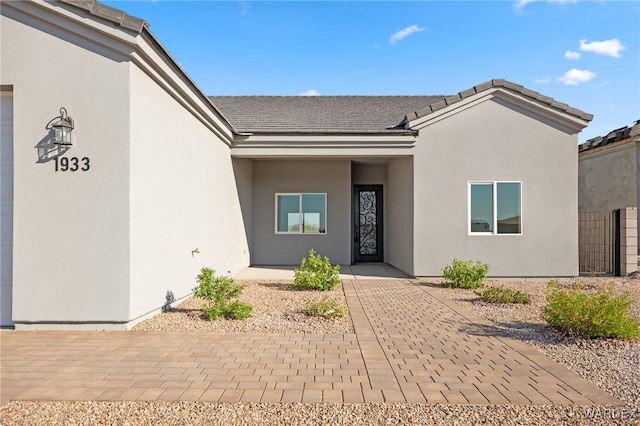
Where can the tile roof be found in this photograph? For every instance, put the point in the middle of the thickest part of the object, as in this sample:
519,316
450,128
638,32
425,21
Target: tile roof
617,135
498,83
312,114
353,114
111,14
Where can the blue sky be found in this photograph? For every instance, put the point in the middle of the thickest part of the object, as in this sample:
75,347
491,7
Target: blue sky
584,53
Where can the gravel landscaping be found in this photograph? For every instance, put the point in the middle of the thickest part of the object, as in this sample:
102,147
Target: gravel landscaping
613,365
276,309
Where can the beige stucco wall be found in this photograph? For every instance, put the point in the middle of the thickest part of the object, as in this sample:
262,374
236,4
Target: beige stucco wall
282,176
496,141
609,178
183,197
71,229
100,249
400,214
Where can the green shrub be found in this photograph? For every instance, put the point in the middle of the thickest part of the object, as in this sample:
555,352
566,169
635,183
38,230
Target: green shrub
316,273
590,315
326,307
218,291
465,274
237,310
503,295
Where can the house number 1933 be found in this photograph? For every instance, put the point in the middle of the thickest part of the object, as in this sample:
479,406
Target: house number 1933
72,164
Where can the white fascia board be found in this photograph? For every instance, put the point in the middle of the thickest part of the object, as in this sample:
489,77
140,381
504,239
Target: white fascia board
320,152
274,146
162,69
371,140
44,13
570,122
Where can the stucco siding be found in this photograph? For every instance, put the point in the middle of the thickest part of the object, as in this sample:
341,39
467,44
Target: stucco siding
400,213
609,178
71,228
185,209
492,141
332,177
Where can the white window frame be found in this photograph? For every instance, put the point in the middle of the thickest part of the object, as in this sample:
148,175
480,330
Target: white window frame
494,184
300,194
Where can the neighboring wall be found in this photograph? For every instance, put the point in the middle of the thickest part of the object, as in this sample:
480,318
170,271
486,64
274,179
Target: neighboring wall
71,229
609,177
185,209
496,141
277,176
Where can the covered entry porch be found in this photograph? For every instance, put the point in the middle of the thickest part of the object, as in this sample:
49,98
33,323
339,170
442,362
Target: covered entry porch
353,210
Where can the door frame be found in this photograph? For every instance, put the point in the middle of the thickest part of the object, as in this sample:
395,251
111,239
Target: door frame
379,256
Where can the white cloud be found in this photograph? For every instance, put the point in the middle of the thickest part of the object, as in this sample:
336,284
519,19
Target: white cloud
608,47
542,80
570,54
310,92
574,76
520,4
399,35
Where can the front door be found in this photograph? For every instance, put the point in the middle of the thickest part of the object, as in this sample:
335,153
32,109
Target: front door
367,218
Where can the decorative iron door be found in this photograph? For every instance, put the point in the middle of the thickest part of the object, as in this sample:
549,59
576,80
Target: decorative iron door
367,235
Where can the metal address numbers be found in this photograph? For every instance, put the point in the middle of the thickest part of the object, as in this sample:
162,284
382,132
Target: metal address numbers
72,164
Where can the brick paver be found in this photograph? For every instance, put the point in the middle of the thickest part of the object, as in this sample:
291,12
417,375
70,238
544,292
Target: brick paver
408,346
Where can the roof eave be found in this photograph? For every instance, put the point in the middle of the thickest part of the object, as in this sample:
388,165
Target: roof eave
578,117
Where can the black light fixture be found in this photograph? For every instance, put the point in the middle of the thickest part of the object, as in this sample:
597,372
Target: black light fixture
62,128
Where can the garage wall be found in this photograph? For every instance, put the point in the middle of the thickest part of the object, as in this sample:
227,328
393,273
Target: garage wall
6,205
71,228
183,198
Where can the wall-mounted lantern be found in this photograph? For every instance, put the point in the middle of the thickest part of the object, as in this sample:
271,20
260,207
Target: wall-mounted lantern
62,128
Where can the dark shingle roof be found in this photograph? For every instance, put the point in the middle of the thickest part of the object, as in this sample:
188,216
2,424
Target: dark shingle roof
617,135
312,114
354,114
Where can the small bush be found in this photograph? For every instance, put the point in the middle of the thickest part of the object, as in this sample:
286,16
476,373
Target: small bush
465,274
218,291
326,307
590,315
316,273
237,310
503,295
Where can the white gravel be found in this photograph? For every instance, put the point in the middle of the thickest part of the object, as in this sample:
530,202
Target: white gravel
613,365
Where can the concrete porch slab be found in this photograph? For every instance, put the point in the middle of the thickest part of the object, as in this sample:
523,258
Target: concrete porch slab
361,271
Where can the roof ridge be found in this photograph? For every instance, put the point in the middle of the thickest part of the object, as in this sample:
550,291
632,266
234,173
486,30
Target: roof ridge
111,14
496,83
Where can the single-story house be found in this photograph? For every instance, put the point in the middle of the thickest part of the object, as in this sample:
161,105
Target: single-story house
121,178
609,171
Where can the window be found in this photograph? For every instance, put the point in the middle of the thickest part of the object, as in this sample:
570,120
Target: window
495,208
301,213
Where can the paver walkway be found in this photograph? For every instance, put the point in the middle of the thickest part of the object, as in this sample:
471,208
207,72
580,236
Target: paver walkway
408,346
